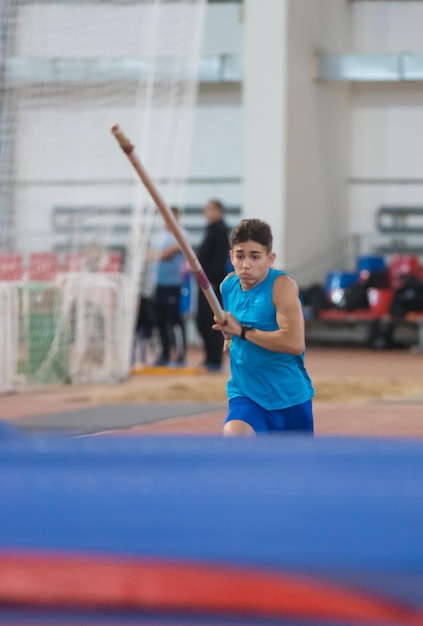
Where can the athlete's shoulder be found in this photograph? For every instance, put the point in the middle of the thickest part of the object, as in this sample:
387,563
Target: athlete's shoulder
284,283
228,282
275,276
274,272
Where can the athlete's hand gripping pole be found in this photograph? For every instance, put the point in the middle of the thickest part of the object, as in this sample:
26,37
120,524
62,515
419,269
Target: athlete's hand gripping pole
172,224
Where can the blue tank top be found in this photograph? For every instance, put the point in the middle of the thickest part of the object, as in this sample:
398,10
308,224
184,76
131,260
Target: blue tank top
170,272
274,380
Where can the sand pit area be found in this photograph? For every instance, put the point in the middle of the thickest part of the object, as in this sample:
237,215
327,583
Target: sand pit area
213,389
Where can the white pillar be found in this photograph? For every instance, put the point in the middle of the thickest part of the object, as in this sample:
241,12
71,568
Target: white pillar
264,99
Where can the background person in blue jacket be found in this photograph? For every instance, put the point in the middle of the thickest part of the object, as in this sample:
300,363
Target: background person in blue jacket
269,388
168,266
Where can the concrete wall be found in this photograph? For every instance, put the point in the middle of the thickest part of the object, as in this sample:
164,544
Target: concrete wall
264,99
322,157
317,121
316,159
386,147
296,132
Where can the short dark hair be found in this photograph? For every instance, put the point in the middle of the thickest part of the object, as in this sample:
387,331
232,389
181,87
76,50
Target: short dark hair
218,204
253,230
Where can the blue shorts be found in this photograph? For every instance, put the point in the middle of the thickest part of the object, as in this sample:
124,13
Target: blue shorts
294,418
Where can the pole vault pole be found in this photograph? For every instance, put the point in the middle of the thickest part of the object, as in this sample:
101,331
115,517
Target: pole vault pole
172,224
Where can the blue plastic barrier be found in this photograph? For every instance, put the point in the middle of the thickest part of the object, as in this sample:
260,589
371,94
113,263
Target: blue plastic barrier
368,264
336,523
339,279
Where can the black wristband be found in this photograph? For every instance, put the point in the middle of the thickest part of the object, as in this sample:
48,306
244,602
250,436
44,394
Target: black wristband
245,329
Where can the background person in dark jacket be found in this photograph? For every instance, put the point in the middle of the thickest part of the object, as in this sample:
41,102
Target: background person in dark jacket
213,255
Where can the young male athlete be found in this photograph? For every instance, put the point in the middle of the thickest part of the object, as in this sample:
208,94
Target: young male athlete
269,389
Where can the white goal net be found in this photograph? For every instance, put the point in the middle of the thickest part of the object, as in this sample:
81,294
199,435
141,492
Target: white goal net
75,220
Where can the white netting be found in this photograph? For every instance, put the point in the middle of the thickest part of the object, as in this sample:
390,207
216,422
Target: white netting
74,219
8,335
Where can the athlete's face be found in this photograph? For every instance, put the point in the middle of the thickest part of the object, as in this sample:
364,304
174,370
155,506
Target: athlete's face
251,262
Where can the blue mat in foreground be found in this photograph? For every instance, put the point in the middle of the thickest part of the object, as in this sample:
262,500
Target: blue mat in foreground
206,530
